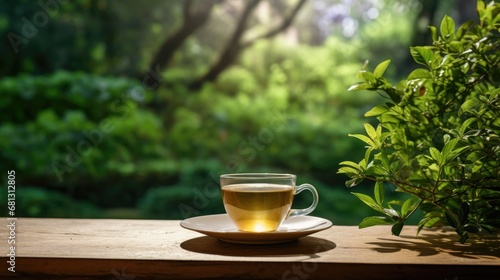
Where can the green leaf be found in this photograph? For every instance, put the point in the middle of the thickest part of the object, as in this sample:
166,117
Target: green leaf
369,201
404,172
466,125
360,86
488,228
434,33
367,76
354,182
469,105
409,206
462,30
450,218
423,55
457,47
394,94
422,223
480,7
447,28
391,213
380,69
351,164
419,74
377,111
349,171
375,221
370,130
463,213
368,153
448,148
396,202
427,222
454,153
379,131
396,228
376,171
436,155
432,221
481,10
379,192
365,139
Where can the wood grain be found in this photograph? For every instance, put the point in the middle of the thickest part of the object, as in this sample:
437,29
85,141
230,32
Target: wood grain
156,249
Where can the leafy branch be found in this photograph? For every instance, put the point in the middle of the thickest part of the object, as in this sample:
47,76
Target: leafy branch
439,135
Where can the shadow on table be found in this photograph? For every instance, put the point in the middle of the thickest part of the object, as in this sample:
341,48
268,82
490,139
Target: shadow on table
438,241
308,245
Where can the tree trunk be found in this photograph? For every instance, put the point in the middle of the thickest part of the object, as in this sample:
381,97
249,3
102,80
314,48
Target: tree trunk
231,50
234,47
194,18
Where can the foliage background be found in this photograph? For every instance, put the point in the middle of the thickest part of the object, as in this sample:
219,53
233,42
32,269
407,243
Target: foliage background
87,137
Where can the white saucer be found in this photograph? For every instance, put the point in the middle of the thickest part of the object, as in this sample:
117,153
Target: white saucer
221,227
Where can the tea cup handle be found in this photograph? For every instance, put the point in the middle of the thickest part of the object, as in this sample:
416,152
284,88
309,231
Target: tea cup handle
302,212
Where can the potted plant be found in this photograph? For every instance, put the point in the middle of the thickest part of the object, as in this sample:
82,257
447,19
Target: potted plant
438,137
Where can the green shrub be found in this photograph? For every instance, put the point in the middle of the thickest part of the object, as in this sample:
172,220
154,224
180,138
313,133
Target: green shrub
82,134
32,201
98,97
181,201
439,135
278,109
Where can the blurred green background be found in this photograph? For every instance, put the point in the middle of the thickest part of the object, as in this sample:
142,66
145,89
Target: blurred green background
132,109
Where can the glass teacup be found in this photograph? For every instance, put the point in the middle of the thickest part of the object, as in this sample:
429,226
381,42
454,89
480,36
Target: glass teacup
260,202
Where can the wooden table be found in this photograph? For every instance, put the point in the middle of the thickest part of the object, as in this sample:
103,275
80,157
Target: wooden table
155,249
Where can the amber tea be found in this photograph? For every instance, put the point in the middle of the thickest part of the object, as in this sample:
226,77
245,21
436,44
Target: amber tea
257,207
260,202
